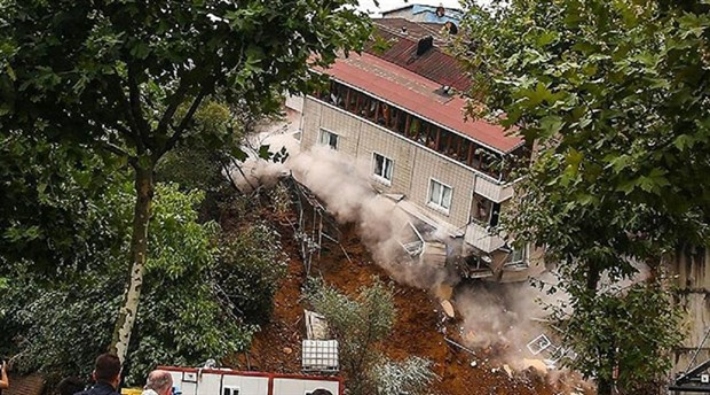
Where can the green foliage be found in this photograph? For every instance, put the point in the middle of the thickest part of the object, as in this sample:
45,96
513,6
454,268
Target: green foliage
411,376
198,164
156,64
359,325
380,45
617,104
614,97
616,329
135,79
251,265
182,320
46,217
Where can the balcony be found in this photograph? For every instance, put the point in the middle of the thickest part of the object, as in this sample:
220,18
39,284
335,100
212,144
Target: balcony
479,237
493,190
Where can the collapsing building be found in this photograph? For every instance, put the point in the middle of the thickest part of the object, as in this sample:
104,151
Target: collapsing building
396,107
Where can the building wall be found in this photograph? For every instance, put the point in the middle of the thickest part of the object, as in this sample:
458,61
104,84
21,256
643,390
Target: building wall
374,139
414,165
294,102
692,275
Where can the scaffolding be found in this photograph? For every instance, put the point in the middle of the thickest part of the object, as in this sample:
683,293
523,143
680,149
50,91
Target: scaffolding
313,225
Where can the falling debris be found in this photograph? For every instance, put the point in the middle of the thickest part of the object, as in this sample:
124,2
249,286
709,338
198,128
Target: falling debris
448,308
539,344
469,337
508,370
443,291
536,364
434,254
316,326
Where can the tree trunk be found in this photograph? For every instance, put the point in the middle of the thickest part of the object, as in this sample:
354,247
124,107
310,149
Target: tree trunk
604,387
139,249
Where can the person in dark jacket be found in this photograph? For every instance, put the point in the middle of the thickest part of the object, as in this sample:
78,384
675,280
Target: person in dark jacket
107,375
70,386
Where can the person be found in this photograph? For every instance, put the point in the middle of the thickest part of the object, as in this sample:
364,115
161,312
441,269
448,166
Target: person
159,382
70,386
107,375
4,382
321,391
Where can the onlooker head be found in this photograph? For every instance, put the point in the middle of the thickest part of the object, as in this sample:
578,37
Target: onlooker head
107,370
159,382
70,386
321,391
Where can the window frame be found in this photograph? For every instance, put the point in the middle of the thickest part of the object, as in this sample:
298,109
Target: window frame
322,135
380,177
438,205
523,261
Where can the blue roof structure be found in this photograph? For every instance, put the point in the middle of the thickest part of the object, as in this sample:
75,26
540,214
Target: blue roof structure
428,13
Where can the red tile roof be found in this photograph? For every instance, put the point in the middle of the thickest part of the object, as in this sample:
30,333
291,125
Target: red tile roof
415,94
434,64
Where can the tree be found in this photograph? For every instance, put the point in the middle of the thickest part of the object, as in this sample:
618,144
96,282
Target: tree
251,265
359,325
613,97
45,218
182,322
114,74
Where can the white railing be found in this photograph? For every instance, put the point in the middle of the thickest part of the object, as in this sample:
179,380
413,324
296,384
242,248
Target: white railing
479,237
497,192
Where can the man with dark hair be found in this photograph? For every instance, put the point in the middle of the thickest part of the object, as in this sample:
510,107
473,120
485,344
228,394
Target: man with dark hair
107,375
321,391
70,386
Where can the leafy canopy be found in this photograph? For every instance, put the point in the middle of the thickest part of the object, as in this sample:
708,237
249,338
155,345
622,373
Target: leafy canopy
129,76
182,322
613,96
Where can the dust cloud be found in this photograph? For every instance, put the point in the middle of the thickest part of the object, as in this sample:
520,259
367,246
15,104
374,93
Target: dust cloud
498,319
344,186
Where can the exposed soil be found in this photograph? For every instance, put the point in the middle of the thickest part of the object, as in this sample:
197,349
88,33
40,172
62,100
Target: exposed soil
417,330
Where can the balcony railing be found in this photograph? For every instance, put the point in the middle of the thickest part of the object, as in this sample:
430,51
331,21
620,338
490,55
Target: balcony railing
479,237
495,191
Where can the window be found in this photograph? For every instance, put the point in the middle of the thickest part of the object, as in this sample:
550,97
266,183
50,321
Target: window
383,168
329,139
518,256
439,195
481,210
230,391
484,211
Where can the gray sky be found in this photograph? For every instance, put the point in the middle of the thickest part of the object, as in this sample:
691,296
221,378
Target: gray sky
369,5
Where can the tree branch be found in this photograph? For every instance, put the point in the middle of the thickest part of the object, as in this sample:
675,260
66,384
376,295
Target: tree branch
116,150
175,101
135,108
180,129
132,131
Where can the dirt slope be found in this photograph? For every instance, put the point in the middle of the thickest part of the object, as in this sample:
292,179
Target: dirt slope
277,346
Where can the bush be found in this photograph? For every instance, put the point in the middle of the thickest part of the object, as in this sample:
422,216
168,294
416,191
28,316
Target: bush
250,267
359,325
62,326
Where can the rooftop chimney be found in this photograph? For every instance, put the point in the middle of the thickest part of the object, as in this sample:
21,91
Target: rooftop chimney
424,45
